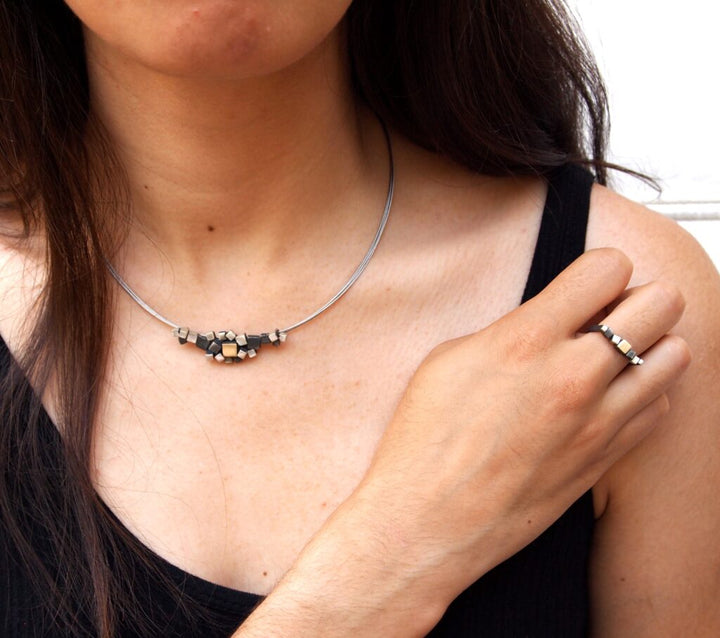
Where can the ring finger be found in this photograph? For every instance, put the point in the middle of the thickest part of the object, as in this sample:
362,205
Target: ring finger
642,317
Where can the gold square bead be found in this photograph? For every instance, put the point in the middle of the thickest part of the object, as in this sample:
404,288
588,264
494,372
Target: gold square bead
624,347
229,349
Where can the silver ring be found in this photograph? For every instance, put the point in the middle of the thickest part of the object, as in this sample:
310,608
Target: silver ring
621,345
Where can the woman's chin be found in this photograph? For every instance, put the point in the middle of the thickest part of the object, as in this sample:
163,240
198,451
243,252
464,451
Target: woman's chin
230,40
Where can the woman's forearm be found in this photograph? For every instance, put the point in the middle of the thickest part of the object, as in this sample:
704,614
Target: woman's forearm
355,578
496,435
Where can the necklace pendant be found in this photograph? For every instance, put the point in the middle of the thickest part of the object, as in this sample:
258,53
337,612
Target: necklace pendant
225,346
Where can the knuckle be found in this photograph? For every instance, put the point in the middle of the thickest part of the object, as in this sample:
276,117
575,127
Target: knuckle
570,390
590,441
530,340
593,438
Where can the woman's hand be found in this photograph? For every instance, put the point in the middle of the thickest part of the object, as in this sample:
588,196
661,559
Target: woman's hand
497,434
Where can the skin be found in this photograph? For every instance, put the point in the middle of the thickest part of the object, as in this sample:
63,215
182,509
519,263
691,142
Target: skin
656,558
240,119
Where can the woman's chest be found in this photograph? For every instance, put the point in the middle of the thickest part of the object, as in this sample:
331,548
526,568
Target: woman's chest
227,470
229,480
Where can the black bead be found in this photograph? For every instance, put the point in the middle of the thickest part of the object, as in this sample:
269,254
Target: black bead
182,341
214,347
265,338
202,342
254,342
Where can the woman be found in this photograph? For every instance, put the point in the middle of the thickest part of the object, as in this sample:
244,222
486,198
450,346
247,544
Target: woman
225,160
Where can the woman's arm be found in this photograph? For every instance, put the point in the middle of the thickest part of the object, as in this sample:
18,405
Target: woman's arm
656,559
496,435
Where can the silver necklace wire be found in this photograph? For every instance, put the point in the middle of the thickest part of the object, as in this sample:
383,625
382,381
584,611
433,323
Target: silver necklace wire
230,347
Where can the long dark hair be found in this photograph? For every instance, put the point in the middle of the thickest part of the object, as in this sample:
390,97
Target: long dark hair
500,86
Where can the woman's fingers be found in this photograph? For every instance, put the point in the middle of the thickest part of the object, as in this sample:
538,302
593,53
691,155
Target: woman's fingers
630,408
626,438
638,387
645,314
583,289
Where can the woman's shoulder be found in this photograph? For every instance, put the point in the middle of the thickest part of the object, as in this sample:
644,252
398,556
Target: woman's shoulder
656,554
661,250
653,241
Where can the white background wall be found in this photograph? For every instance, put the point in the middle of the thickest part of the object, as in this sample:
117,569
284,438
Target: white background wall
660,61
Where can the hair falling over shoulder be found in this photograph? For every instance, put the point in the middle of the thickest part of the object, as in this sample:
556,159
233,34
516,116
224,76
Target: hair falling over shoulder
500,86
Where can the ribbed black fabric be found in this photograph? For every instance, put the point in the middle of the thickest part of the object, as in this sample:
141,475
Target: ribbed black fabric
561,239
541,592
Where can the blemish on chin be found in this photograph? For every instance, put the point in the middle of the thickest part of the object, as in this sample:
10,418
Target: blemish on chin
211,228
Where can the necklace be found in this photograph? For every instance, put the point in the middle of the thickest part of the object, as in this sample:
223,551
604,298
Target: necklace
232,347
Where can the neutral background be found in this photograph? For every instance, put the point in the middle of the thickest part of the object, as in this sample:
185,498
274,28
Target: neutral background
660,62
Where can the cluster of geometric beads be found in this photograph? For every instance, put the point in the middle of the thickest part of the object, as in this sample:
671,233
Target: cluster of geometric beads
225,346
622,345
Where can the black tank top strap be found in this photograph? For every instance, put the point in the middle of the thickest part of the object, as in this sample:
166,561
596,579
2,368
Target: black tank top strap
561,239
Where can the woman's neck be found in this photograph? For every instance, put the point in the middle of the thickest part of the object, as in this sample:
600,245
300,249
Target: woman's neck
268,165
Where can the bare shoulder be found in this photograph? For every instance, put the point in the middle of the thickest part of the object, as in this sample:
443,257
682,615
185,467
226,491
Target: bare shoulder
656,244
661,250
656,556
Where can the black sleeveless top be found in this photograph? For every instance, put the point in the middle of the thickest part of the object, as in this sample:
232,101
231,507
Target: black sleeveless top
542,591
